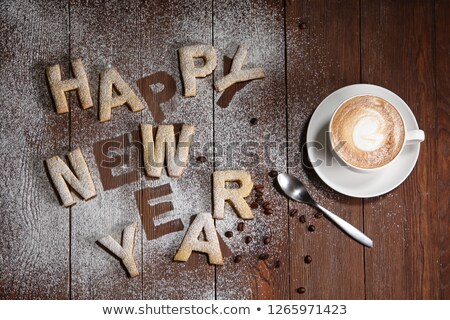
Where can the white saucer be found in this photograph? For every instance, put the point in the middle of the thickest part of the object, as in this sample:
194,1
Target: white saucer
341,178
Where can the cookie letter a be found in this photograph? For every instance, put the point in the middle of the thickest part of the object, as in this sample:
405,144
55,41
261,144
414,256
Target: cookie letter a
237,74
59,87
80,180
211,247
126,95
165,147
124,251
188,70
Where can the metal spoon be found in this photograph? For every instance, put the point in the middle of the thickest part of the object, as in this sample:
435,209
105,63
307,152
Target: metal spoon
294,189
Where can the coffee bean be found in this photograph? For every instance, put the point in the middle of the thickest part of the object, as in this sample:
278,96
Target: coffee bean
268,212
259,187
258,193
293,212
263,256
318,215
266,240
259,200
237,259
308,259
266,205
201,159
253,121
248,239
303,26
228,234
241,226
273,174
311,228
277,264
302,218
301,290
254,205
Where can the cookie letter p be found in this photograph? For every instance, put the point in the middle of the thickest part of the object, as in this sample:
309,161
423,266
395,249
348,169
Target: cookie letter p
235,195
188,69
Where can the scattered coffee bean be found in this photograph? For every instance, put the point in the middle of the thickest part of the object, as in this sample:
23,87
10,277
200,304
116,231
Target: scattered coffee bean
266,240
258,193
302,218
311,228
201,159
266,205
254,205
248,239
303,25
259,200
263,256
253,121
237,259
308,259
258,187
268,212
273,173
301,290
318,215
229,234
241,226
277,264
293,212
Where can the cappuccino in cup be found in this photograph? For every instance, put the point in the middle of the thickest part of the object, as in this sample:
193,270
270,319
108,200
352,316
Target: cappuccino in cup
367,132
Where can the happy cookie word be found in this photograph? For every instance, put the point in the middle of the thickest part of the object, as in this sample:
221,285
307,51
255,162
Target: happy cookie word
111,81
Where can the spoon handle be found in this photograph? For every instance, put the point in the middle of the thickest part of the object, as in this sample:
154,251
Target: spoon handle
347,227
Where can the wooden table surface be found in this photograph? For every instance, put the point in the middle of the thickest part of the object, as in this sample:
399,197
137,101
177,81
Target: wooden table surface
308,49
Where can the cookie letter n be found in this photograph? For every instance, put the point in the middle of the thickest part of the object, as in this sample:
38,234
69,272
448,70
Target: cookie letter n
59,87
234,195
126,95
80,180
211,247
188,69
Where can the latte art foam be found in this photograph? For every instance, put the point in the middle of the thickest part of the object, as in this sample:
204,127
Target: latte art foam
367,132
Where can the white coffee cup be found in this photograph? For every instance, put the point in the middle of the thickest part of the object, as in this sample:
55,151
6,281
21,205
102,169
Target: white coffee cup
410,136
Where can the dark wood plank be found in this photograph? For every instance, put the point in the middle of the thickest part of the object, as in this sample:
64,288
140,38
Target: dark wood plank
322,56
397,53
259,25
105,34
166,28
442,42
34,226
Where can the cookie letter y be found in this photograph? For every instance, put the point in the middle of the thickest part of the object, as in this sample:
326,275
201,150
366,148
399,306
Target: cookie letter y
124,251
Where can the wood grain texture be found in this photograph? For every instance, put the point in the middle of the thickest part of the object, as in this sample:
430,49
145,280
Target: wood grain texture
322,56
405,261
166,28
104,34
34,227
442,60
255,148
